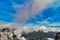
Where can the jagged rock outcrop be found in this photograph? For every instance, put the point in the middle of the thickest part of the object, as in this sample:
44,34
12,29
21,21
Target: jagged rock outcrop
7,34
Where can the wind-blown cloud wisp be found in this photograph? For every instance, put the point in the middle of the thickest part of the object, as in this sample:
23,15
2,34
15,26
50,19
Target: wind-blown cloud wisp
29,9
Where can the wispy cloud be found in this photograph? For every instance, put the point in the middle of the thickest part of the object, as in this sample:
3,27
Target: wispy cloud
29,10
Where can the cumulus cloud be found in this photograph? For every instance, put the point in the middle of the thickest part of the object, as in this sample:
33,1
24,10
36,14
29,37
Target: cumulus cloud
20,29
30,9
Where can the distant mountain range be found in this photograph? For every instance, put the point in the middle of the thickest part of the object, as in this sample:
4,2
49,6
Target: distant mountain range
39,35
36,33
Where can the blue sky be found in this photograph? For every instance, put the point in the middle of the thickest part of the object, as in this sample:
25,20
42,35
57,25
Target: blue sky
49,15
6,11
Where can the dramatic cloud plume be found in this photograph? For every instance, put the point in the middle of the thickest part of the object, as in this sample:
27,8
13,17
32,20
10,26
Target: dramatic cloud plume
29,9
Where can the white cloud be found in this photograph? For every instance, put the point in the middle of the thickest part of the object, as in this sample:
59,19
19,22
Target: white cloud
54,24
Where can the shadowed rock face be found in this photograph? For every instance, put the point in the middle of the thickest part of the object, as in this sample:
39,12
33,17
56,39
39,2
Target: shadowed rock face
57,37
39,35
